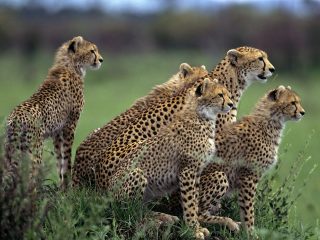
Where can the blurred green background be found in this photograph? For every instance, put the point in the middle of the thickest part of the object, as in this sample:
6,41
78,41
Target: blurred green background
143,44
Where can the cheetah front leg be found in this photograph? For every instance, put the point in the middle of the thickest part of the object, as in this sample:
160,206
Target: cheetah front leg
247,191
189,199
214,186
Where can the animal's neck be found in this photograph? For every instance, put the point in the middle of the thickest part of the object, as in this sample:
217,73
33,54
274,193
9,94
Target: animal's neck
63,61
231,77
273,127
80,70
205,114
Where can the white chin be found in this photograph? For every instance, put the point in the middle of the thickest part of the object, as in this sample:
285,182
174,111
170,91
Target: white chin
297,118
96,66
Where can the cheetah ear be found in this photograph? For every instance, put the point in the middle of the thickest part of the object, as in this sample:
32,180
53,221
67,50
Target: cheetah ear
233,56
185,69
289,87
74,44
202,87
273,95
198,91
203,67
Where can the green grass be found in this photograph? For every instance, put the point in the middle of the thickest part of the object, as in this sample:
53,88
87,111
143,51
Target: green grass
111,90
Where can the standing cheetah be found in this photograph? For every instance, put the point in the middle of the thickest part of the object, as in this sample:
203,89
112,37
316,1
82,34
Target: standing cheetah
248,149
174,158
103,137
54,110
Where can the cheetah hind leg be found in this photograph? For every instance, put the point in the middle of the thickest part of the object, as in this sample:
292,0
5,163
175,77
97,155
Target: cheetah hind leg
214,186
133,185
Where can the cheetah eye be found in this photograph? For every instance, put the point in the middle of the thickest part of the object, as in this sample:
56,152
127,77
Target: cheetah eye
220,95
92,51
293,102
260,58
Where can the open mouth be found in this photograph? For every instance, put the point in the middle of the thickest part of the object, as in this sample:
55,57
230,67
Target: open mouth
262,77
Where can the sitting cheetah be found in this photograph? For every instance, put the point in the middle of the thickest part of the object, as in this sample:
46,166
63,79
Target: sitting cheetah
146,118
102,138
248,149
54,110
237,71
174,158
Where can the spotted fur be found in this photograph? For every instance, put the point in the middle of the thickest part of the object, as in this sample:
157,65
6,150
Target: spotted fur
174,158
54,110
248,149
143,120
237,71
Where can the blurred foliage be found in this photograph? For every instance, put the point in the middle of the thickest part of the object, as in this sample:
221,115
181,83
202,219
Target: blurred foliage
291,40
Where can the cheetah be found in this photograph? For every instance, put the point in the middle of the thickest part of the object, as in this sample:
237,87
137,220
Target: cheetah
102,138
240,68
144,119
54,110
237,71
174,158
248,149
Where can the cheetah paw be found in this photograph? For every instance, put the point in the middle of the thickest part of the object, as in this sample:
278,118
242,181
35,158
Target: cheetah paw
201,233
232,225
163,218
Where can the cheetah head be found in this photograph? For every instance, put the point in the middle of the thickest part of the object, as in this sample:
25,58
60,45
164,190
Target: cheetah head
252,63
285,104
212,98
83,54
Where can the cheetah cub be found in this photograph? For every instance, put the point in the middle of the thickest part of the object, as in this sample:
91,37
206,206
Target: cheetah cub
248,149
174,158
54,110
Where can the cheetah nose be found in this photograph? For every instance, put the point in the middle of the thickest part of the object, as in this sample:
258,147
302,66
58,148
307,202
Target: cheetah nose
302,113
230,105
101,60
272,69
